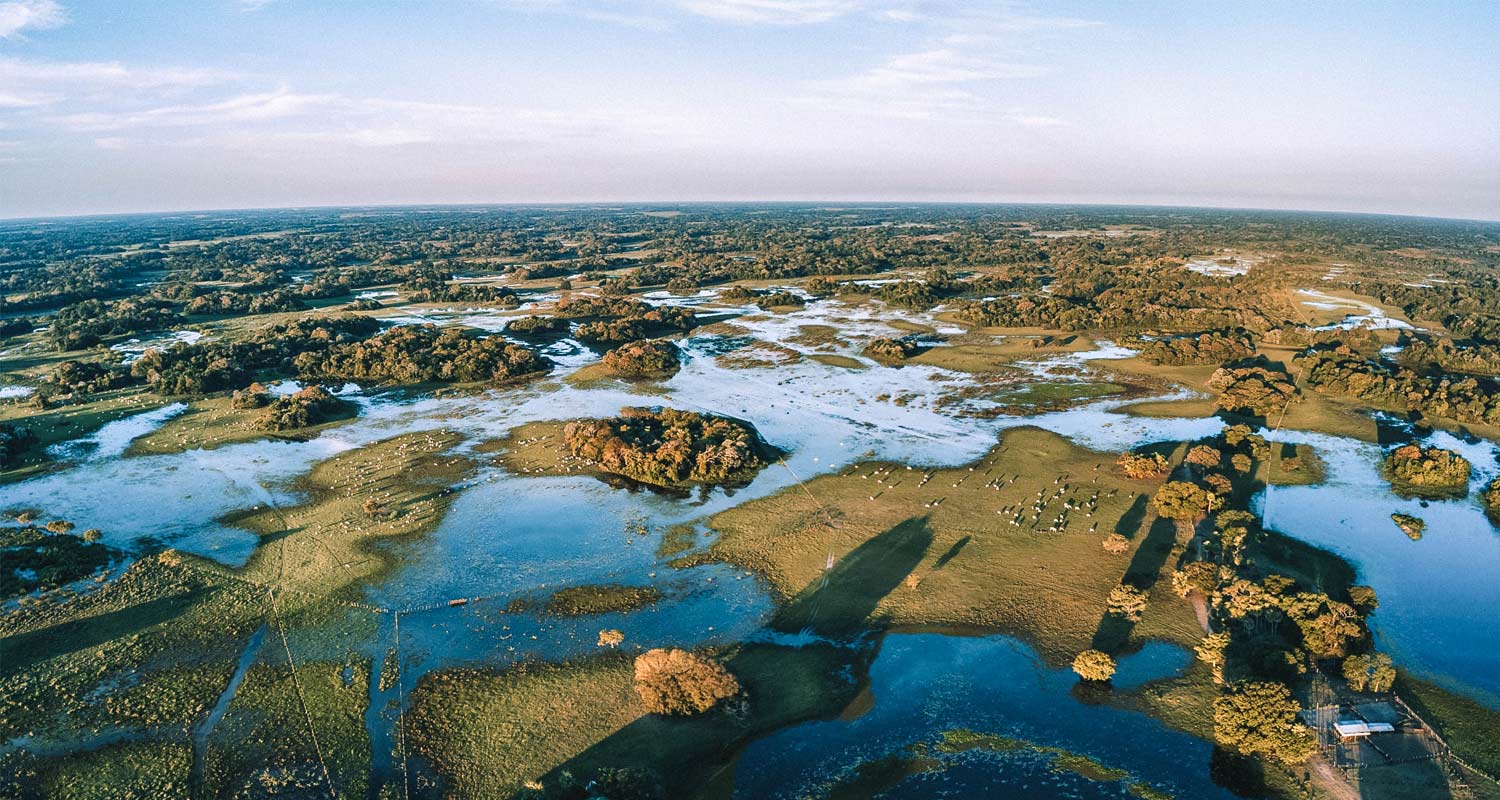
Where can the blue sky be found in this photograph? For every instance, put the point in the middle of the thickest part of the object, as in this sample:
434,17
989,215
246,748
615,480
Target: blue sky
119,105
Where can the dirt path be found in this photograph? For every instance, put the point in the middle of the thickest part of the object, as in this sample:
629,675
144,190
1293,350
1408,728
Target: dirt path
1331,782
1200,609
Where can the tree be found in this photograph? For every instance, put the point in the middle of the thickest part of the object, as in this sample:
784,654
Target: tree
93,535
1182,501
1241,463
676,682
1093,665
1369,672
1363,598
1260,718
609,637
1116,544
1127,601
1204,456
1143,466
1212,651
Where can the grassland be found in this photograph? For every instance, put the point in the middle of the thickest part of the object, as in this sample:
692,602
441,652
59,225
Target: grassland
397,487
553,727
940,555
63,423
211,423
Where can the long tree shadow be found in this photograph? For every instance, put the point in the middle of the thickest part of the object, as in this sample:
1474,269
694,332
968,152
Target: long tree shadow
1129,523
785,685
839,604
25,649
1114,630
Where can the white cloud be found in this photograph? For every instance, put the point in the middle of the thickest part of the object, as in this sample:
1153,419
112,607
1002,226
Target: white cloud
92,75
9,100
770,12
923,85
19,15
240,109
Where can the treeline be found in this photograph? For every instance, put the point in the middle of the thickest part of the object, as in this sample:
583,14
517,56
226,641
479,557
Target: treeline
1209,347
187,369
1341,372
421,354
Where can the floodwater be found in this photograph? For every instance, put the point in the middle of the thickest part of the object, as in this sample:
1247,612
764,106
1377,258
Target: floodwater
510,538
925,684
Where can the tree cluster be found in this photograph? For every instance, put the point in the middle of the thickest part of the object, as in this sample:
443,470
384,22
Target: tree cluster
652,358
410,354
669,447
1209,347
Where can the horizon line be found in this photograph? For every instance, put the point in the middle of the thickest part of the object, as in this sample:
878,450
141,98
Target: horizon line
4,219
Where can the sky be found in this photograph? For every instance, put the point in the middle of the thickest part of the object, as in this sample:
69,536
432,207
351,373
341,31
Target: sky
146,105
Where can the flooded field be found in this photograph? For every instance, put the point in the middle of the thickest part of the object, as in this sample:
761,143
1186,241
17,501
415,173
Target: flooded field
473,590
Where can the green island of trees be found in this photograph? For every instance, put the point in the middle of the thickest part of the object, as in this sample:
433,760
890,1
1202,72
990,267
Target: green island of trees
652,358
1255,389
1430,472
670,447
890,352
303,408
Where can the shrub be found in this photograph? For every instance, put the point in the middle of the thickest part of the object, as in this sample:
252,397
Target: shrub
1143,466
1116,544
675,682
1093,665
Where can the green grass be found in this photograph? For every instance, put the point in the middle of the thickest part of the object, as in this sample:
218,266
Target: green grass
958,562
211,423
1467,726
576,601
488,733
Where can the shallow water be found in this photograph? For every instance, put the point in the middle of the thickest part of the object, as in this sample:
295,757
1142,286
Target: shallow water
1431,591
924,684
